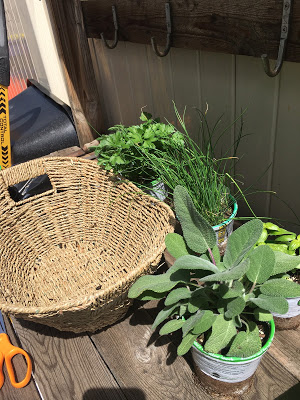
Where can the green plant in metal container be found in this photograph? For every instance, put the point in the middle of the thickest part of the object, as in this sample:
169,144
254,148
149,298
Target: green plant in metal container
286,246
218,303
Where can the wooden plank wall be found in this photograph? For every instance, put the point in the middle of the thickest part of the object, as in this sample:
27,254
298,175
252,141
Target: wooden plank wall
131,76
244,27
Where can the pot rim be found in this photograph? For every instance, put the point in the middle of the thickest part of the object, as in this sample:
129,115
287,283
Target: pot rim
234,212
240,359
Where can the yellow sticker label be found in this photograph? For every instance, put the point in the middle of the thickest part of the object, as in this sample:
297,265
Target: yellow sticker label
5,151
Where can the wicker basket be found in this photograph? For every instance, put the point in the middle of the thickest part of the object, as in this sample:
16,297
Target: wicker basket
68,256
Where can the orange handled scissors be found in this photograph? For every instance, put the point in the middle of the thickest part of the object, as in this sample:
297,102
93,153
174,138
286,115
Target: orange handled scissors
7,352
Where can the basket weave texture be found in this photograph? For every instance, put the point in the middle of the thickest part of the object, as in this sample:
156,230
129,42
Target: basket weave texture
68,256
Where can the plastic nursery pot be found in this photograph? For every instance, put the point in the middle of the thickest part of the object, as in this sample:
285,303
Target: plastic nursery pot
224,230
227,375
290,320
158,190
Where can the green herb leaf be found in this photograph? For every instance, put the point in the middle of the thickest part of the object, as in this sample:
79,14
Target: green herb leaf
163,314
156,283
205,322
235,307
182,310
241,241
176,295
186,344
222,333
286,238
281,288
271,227
150,295
236,290
262,261
202,319
171,326
176,245
285,263
192,263
294,245
263,236
262,315
273,304
196,303
245,344
230,274
197,232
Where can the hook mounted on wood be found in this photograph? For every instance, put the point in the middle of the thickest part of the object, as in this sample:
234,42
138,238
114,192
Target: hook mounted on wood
116,39
285,24
169,32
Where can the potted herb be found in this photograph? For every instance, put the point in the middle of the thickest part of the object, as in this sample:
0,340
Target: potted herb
208,178
222,305
125,150
286,245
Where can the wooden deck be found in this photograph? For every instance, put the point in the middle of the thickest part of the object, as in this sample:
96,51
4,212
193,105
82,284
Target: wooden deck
129,361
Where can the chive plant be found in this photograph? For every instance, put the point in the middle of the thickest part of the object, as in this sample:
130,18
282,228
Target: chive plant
206,178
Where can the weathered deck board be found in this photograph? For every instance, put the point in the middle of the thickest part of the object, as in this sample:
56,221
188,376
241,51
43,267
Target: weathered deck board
8,392
67,366
127,361
151,368
286,350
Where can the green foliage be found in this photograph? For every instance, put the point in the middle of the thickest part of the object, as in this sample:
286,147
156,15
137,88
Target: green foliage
125,149
176,245
273,304
206,177
197,232
281,287
262,261
236,292
171,326
245,344
241,242
223,331
279,239
285,263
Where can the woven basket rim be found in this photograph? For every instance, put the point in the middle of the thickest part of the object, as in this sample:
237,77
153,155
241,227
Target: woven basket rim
87,300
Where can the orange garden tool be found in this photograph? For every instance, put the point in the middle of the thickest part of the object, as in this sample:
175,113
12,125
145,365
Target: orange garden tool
5,151
7,352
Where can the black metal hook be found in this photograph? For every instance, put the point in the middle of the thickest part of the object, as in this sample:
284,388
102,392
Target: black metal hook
115,42
285,24
169,31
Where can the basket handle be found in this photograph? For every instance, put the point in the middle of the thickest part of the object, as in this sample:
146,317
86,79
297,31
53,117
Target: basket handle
20,173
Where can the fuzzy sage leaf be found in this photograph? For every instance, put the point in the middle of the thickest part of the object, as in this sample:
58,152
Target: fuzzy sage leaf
285,263
197,232
176,295
171,326
273,304
163,315
241,241
245,344
235,307
156,283
262,261
228,275
176,245
222,333
281,288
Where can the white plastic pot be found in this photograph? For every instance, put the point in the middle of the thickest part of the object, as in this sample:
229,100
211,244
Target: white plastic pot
227,375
